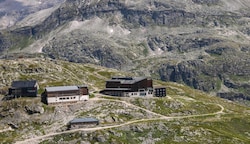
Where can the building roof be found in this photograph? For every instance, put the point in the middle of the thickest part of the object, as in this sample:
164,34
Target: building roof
82,86
23,84
118,89
84,120
159,87
126,80
61,88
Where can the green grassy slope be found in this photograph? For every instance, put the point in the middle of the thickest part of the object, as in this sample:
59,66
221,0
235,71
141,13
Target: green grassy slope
195,121
54,73
184,116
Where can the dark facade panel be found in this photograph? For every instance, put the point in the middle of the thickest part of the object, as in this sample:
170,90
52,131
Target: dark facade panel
160,92
113,92
150,83
113,84
83,91
143,84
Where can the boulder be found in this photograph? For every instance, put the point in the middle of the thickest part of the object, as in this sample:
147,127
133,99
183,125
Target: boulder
33,109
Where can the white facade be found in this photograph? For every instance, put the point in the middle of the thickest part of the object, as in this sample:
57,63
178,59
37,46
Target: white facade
83,97
65,99
140,93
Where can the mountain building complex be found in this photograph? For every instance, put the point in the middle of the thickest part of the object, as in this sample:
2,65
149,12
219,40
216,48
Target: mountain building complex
65,94
131,87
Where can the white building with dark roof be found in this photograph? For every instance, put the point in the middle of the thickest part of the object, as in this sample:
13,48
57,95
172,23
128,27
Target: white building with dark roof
65,94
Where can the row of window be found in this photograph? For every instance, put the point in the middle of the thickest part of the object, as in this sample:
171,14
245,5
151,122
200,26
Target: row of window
142,93
67,98
66,94
133,93
161,90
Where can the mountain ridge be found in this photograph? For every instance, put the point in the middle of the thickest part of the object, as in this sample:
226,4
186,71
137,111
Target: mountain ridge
192,42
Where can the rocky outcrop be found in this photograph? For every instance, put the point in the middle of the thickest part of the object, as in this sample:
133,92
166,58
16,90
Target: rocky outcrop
180,43
208,2
5,43
234,96
34,109
232,72
192,73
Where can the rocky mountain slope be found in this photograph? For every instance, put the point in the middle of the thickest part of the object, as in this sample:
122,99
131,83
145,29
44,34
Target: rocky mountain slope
203,44
184,116
13,11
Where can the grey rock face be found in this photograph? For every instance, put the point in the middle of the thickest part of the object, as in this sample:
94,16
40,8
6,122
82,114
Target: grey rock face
12,11
208,2
232,73
180,43
82,51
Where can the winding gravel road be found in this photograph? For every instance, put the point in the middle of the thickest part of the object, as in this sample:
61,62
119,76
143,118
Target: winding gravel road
160,117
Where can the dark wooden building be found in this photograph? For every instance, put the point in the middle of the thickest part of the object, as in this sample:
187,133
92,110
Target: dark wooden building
83,122
23,88
128,86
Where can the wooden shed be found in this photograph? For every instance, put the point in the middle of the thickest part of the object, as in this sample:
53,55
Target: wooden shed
83,122
23,88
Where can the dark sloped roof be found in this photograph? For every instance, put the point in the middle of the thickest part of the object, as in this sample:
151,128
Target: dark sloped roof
23,84
126,80
82,86
117,89
84,120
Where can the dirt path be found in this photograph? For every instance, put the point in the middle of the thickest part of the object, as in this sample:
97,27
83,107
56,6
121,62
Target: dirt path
132,105
160,117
